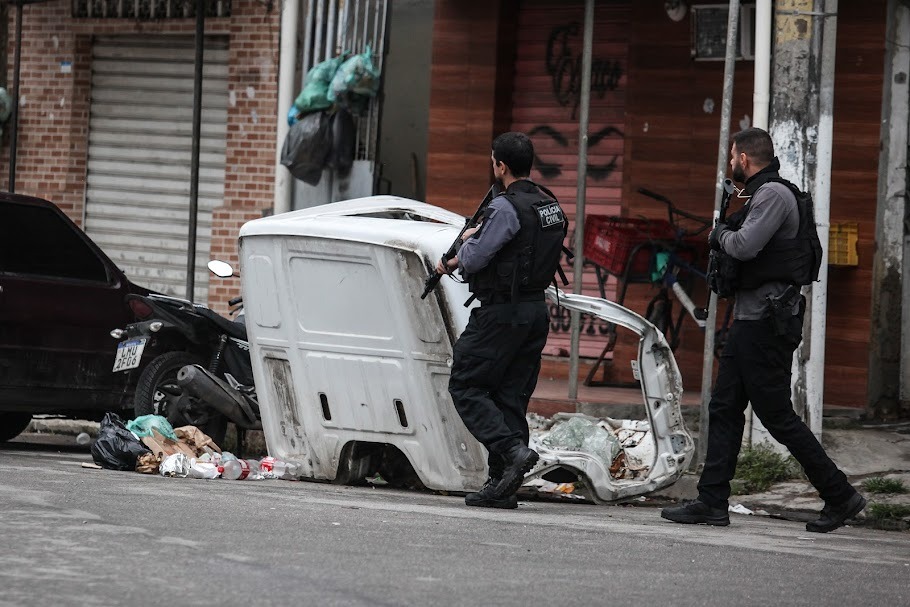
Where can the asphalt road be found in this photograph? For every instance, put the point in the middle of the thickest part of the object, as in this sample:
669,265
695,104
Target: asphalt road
75,536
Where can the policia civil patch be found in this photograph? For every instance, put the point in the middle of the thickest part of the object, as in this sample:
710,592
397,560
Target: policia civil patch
550,214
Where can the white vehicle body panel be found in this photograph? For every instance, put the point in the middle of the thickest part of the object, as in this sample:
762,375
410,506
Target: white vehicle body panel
344,350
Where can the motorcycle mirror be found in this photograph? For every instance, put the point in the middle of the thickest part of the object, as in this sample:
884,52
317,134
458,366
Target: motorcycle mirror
221,268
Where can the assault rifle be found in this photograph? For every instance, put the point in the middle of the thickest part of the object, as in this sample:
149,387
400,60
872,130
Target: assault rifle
722,268
434,278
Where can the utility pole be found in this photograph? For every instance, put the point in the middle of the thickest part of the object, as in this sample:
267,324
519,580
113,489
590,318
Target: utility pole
801,127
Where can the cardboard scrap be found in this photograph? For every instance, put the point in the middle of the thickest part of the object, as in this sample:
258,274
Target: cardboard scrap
162,445
147,463
197,439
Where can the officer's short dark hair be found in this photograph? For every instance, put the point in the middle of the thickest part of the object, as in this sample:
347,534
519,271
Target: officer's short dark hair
516,150
755,143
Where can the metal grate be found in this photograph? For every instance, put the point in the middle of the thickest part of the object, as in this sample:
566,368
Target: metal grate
147,9
335,26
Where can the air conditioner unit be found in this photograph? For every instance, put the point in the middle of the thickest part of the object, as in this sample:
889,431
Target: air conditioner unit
709,32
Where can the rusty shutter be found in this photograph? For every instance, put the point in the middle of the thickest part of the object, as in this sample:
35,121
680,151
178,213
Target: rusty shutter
545,105
140,141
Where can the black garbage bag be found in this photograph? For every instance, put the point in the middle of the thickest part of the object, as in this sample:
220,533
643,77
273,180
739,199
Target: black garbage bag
116,447
307,147
344,141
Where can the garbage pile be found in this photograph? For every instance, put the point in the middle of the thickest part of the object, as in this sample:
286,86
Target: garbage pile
625,446
150,445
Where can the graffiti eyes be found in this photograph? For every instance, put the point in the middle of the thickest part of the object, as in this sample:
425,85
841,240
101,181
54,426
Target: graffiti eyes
551,170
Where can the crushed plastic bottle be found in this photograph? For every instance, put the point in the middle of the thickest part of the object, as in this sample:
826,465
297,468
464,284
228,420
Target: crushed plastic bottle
275,468
241,470
83,438
235,470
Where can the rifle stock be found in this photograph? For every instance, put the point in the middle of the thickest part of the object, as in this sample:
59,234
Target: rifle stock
433,279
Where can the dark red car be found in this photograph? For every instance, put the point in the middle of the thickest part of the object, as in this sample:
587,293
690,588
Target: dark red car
60,296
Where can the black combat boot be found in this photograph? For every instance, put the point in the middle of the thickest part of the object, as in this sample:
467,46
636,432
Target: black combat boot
833,517
517,462
486,498
698,513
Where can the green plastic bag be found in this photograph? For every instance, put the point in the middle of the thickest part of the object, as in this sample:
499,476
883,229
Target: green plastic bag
356,76
143,425
315,93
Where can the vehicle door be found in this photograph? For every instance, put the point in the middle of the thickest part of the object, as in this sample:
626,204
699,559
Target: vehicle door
60,296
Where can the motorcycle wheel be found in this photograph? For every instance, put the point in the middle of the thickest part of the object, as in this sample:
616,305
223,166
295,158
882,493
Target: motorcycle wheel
158,384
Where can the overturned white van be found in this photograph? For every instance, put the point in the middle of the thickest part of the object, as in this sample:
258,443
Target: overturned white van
352,367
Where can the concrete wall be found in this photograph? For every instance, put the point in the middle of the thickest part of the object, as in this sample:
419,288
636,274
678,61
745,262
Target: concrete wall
406,98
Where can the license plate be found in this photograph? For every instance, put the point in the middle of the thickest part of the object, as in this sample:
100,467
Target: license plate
129,354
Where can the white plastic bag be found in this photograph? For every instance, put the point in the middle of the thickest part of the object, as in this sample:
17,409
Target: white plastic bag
177,464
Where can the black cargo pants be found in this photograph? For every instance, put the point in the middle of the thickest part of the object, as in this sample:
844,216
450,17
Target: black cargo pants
494,371
755,367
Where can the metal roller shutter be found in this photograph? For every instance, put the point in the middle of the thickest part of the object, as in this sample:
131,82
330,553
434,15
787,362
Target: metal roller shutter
546,97
140,141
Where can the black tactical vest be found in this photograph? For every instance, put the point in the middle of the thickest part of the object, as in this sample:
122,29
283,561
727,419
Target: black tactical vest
527,264
794,260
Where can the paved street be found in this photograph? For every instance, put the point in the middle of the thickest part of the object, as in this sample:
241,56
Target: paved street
74,536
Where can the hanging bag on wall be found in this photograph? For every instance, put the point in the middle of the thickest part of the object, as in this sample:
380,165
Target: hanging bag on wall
306,147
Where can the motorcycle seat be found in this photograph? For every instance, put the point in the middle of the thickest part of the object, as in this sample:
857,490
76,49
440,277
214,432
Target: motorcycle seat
231,328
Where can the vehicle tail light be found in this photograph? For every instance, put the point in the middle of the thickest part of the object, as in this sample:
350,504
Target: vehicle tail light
141,309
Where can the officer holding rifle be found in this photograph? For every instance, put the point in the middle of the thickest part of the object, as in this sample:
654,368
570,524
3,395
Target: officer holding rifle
767,250
508,261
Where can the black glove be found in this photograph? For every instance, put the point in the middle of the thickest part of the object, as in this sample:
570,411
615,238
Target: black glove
714,236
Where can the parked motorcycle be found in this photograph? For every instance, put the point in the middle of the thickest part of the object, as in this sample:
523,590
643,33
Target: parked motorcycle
200,371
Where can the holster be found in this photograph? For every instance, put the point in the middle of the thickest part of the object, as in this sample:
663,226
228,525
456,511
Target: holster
781,309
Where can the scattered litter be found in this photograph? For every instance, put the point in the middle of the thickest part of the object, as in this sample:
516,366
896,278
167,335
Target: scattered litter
580,434
92,466
377,480
627,443
566,490
199,469
177,464
116,448
83,439
762,513
148,463
539,422
144,425
239,470
739,509
197,439
162,445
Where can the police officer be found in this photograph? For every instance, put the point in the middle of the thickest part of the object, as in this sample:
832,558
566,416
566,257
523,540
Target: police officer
508,261
767,328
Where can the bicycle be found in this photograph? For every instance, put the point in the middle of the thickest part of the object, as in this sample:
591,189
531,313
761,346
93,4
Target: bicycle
674,260
665,252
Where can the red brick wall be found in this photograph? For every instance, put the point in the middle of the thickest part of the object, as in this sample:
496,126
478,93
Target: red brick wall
53,118
249,177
